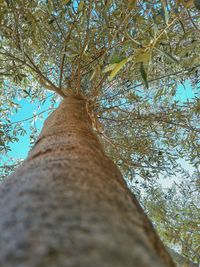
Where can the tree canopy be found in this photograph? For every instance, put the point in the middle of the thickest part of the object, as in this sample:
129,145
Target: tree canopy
129,59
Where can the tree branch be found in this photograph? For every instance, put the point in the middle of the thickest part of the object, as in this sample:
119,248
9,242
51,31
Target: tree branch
153,80
64,53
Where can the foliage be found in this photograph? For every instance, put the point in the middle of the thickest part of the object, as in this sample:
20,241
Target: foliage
175,213
6,169
128,58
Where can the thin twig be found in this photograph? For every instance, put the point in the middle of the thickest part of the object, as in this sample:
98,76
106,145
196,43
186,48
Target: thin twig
79,78
192,21
32,117
96,89
64,54
155,79
38,71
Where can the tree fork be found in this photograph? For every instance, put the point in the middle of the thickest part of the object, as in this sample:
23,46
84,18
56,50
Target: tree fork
67,205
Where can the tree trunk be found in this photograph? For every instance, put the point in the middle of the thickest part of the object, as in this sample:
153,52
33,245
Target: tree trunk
67,205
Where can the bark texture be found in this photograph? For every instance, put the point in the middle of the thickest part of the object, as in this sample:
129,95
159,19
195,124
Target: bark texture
68,205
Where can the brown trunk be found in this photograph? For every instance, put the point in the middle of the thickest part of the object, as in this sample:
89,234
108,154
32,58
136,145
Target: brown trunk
68,206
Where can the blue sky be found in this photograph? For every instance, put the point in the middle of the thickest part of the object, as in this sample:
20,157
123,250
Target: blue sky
20,149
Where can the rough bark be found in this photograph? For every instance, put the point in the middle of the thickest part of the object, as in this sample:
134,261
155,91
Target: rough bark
68,205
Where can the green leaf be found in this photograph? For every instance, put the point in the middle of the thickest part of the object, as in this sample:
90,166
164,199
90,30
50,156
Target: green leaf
166,15
109,67
197,4
142,56
118,67
93,75
169,56
187,4
116,59
144,75
80,6
65,2
173,90
132,4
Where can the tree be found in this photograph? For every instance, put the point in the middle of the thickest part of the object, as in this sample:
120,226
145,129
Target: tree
67,203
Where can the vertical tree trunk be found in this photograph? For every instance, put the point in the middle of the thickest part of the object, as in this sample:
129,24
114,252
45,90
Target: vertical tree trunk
68,206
